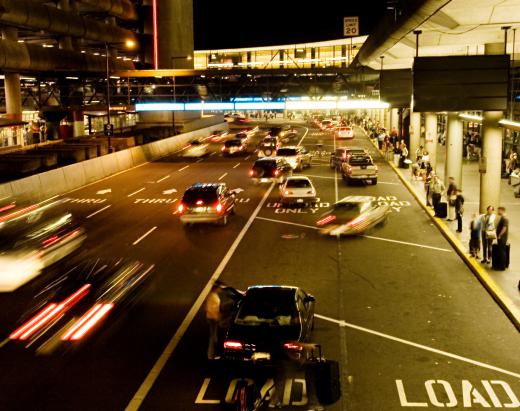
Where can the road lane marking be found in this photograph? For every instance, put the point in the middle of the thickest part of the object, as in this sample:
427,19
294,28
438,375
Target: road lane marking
386,182
361,235
342,323
199,160
327,177
152,376
4,342
105,191
304,135
247,158
135,192
222,176
99,211
183,168
151,230
236,165
162,179
212,153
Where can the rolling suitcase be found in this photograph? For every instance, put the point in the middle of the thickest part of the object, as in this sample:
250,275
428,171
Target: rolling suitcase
327,378
500,258
441,210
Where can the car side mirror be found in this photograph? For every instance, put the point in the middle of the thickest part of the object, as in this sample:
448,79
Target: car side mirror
309,299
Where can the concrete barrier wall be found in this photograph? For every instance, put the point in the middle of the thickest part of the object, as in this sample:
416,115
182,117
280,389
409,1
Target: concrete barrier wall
62,180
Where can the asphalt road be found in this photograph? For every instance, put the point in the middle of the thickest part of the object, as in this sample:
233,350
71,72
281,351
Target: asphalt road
410,325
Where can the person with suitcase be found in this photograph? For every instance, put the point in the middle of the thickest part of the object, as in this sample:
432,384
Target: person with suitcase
488,232
501,248
437,188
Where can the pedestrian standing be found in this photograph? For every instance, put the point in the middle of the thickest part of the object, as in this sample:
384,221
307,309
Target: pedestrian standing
451,193
459,209
502,236
474,239
428,187
419,154
213,318
488,233
437,189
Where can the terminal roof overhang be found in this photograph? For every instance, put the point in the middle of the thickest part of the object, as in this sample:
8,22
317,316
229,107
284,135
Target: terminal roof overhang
449,27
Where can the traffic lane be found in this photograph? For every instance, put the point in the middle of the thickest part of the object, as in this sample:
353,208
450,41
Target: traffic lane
269,254
390,375
155,318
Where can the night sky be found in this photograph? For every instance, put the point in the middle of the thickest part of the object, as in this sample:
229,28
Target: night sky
233,23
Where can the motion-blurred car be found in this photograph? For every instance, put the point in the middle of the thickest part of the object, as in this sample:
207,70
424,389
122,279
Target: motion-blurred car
359,167
196,149
338,157
344,132
87,298
297,156
284,133
352,215
268,147
32,238
207,203
297,190
270,169
234,147
326,124
268,319
218,136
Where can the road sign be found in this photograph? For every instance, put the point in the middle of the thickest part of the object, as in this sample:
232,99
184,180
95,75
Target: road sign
351,26
109,130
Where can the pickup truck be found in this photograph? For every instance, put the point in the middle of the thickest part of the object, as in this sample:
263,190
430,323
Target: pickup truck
342,153
359,168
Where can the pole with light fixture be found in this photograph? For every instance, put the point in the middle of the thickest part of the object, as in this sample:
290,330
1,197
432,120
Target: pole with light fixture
109,127
173,58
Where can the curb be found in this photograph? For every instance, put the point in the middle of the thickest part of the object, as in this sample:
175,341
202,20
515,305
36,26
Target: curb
505,303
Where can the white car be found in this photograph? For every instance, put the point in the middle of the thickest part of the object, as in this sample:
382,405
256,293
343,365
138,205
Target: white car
297,190
344,132
297,156
196,149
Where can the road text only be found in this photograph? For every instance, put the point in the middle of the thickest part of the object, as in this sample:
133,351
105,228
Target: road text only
442,394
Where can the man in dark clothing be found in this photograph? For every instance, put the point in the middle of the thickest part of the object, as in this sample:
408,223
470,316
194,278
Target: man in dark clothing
502,235
459,209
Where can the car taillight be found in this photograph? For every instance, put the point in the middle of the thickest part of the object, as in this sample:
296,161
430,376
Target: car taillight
223,148
344,156
180,208
326,220
233,345
375,167
293,346
219,208
349,169
87,322
276,172
310,192
287,192
252,173
199,202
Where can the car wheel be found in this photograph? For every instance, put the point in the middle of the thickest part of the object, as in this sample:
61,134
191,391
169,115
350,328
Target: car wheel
332,165
374,181
299,167
347,180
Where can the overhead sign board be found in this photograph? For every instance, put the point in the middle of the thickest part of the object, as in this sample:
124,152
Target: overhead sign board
351,26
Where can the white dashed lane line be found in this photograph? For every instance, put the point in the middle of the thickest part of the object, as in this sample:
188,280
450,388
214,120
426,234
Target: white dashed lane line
162,179
236,165
222,176
99,211
183,168
151,230
199,160
135,192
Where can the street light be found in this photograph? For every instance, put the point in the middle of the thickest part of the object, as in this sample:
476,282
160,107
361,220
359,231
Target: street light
109,129
173,58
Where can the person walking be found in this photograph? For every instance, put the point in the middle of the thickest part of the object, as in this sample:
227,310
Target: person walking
488,233
474,239
419,154
459,209
451,193
437,191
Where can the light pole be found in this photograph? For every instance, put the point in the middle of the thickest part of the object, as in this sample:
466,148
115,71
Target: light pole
173,58
109,128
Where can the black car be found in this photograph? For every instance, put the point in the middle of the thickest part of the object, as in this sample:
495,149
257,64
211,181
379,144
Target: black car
269,169
236,146
207,203
268,318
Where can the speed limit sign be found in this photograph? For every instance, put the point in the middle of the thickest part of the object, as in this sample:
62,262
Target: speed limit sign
350,26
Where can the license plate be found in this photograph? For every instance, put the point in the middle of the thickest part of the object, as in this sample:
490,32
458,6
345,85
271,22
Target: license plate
363,167
261,356
200,209
264,180
300,200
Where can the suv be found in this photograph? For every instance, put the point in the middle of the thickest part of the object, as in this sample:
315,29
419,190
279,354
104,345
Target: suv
342,153
268,147
207,203
269,169
359,167
344,132
234,147
296,156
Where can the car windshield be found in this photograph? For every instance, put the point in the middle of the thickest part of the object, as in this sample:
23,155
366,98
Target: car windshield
325,122
272,306
360,161
194,195
298,183
233,143
286,152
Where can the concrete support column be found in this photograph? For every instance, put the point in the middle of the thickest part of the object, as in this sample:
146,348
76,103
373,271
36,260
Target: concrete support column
394,120
415,133
78,126
65,42
454,144
430,144
381,118
386,121
13,96
491,161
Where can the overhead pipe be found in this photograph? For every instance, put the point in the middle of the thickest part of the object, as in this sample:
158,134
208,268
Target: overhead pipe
390,32
123,9
30,58
32,15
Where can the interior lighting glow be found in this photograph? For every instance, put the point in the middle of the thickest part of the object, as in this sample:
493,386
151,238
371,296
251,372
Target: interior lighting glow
208,106
159,107
510,123
470,117
260,106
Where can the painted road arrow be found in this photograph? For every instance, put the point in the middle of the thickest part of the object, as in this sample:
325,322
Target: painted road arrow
105,191
170,191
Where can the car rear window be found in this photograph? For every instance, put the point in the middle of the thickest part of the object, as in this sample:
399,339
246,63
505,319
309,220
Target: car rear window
206,195
233,143
298,183
265,165
360,161
286,152
272,306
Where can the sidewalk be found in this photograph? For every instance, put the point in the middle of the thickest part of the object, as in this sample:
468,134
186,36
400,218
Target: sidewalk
507,280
